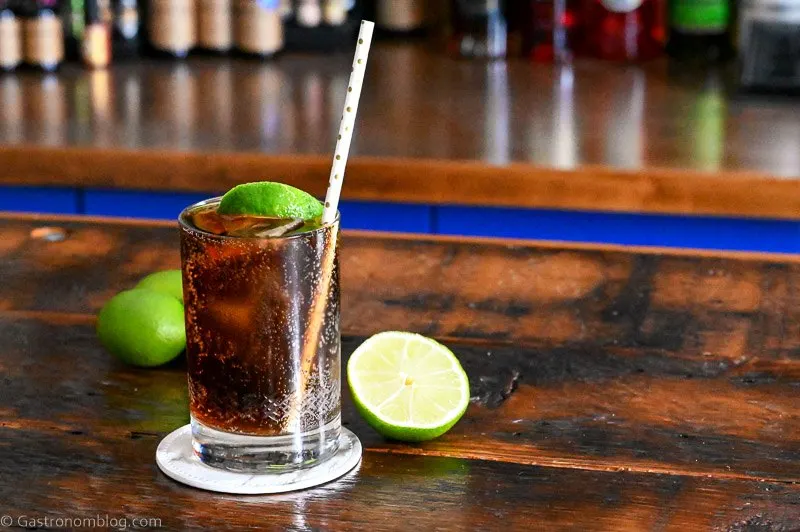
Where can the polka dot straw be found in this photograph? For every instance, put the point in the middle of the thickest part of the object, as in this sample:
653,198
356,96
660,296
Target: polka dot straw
348,119
311,336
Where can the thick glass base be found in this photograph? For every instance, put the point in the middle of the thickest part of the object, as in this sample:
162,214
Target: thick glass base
264,454
177,460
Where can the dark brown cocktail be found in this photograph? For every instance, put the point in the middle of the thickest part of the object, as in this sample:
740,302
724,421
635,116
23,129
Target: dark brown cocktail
263,344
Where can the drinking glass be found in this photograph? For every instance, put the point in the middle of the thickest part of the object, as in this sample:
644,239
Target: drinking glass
263,345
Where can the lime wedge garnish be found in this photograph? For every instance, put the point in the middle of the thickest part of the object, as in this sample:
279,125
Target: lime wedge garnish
167,282
275,200
406,386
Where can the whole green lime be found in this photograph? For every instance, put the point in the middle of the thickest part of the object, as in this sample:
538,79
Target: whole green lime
167,282
266,198
142,327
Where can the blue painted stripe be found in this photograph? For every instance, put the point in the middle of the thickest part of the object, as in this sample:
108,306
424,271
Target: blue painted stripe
704,232
139,204
378,216
44,200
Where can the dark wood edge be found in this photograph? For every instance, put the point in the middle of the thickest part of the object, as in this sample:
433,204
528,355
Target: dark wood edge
382,235
437,182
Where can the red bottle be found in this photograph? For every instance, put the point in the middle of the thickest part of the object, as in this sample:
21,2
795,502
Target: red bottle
622,30
549,33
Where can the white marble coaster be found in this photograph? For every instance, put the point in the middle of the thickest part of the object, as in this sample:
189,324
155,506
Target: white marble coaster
176,459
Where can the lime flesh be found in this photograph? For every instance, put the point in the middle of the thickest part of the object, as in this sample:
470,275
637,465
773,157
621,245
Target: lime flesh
406,386
274,200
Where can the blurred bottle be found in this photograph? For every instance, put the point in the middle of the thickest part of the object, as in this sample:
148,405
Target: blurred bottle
548,30
700,30
126,30
258,28
96,50
286,9
401,17
171,27
769,45
72,15
215,26
479,29
10,37
308,13
42,35
334,12
621,30
320,26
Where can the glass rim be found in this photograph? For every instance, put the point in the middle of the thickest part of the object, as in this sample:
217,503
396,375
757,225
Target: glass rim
187,227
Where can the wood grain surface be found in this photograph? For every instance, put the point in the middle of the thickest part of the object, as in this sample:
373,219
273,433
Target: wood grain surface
611,389
594,135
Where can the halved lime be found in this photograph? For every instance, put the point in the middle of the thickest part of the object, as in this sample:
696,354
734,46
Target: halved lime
142,327
266,198
406,386
167,282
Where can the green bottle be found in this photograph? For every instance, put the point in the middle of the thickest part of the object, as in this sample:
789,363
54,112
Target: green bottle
700,30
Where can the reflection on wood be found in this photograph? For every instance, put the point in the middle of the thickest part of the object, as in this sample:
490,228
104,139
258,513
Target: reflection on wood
416,104
564,135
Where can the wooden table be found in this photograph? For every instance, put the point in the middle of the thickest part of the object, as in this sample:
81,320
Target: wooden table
594,135
612,389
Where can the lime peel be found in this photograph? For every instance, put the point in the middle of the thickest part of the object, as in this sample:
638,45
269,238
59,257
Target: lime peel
142,327
168,282
270,199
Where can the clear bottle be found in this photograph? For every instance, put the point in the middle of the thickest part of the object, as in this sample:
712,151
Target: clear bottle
308,13
171,27
258,28
401,17
96,49
43,35
215,26
334,12
126,28
479,29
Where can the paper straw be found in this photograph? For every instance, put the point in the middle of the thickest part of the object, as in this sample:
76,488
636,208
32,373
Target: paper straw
348,120
320,299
